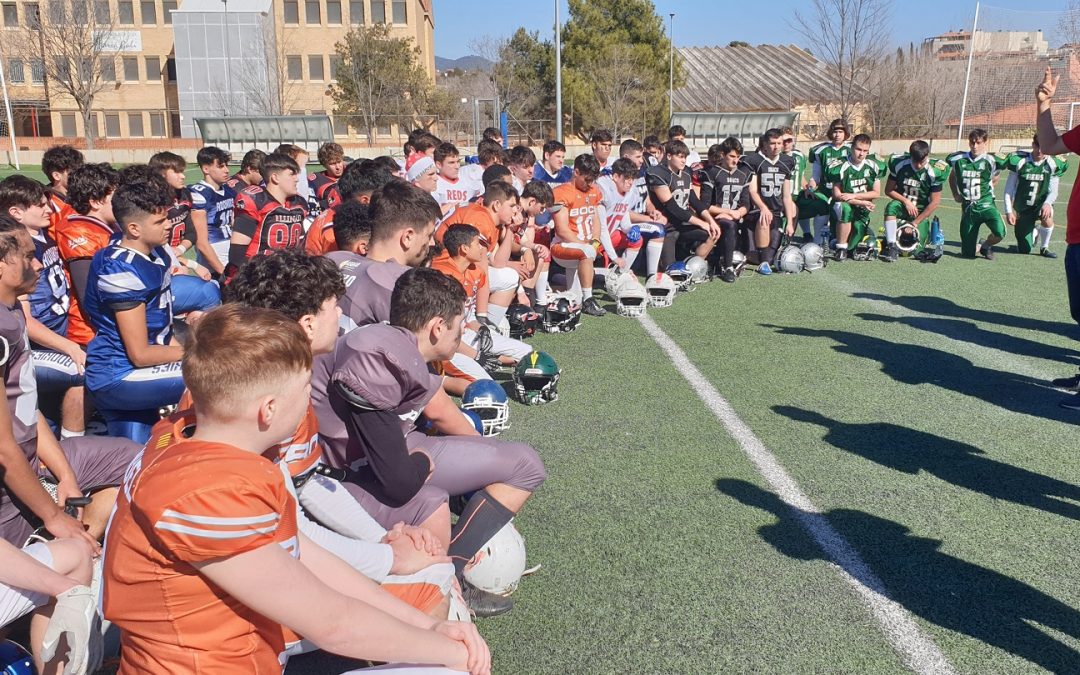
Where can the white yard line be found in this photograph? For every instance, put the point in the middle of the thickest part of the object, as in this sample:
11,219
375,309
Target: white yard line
914,646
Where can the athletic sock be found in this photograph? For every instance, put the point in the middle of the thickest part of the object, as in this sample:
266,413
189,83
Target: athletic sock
481,519
842,245
542,288
68,433
630,256
1044,236
586,293
496,313
890,231
653,251
765,255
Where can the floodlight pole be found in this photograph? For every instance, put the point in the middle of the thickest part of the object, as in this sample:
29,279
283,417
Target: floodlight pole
10,121
228,57
671,68
967,78
558,75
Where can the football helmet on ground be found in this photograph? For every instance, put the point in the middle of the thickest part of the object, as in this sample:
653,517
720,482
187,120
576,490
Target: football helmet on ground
698,268
738,262
661,289
522,321
498,565
680,275
536,379
562,314
907,237
813,257
790,259
488,399
631,298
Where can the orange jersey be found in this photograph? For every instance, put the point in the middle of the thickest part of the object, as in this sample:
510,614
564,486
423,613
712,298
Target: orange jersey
79,238
60,210
471,279
477,216
300,453
185,502
320,236
580,206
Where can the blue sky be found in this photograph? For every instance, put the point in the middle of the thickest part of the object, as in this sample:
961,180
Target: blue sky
701,23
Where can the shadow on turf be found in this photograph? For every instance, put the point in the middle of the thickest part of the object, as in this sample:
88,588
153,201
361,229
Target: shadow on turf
967,331
916,364
940,588
928,304
963,465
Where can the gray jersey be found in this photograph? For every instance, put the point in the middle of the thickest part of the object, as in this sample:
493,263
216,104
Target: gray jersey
22,394
368,286
380,364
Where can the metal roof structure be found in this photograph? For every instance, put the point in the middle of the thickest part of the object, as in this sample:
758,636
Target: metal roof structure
743,79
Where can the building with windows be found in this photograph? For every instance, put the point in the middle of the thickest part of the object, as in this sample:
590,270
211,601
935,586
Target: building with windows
165,62
954,45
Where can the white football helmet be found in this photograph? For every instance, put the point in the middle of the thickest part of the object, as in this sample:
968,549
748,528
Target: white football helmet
907,237
791,260
738,261
631,298
661,290
612,276
698,268
813,257
498,565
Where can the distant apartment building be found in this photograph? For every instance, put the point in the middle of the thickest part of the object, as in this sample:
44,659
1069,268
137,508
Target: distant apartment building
954,45
174,60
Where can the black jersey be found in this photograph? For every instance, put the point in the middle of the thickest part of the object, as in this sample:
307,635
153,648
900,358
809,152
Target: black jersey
771,175
679,184
723,188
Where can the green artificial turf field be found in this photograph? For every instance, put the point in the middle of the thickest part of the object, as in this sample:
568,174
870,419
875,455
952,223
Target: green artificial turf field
908,401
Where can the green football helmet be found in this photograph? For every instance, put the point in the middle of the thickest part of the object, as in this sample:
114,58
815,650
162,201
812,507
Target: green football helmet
536,379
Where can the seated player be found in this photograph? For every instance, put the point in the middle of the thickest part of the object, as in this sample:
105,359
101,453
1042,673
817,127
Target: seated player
725,184
530,241
57,164
28,449
914,185
132,364
488,154
678,133
770,193
553,170
858,184
689,230
250,172
368,398
58,361
207,524
644,210
52,580
974,174
522,162
1030,194
192,287
212,209
358,182
270,218
798,176
321,183
580,231
494,217
452,190
815,202
83,233
600,141
628,235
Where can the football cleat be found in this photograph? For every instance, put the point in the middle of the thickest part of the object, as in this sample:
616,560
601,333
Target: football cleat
727,275
498,565
1047,253
698,268
841,255
536,379
483,604
813,257
986,251
1070,383
680,275
764,269
488,399
592,307
562,314
890,254
522,320
631,298
661,290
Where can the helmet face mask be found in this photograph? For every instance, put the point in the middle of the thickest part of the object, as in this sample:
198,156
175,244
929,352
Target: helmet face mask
907,237
536,379
631,298
681,276
522,321
738,261
487,399
661,290
562,314
698,268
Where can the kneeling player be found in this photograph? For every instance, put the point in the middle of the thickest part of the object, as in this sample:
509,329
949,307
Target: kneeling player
269,218
858,184
770,191
972,183
1030,194
579,231
629,232
914,185
724,184
690,229
207,524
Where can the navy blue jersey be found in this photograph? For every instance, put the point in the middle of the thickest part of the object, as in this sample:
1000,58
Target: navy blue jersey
218,205
122,279
51,298
565,175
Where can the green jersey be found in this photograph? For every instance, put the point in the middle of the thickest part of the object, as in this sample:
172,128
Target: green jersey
1031,182
975,177
799,176
826,160
918,185
854,179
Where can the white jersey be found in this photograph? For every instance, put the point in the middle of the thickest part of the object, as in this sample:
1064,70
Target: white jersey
459,191
471,172
616,206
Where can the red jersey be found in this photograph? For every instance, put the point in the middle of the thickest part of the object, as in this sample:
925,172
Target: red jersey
236,184
179,215
79,238
320,185
580,206
320,238
477,216
272,225
1072,216
185,502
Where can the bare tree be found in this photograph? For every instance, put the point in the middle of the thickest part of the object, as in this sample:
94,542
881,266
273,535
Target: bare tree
913,95
263,83
74,44
850,37
1069,23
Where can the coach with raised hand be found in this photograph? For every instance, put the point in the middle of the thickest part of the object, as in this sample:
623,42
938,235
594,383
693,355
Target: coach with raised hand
1053,144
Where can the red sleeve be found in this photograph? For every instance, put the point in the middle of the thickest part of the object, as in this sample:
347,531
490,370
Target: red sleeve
1072,139
245,215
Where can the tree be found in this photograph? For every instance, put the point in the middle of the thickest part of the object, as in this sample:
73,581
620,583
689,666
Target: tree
381,82
74,45
1069,23
262,85
619,78
913,94
616,35
851,37
738,43
523,77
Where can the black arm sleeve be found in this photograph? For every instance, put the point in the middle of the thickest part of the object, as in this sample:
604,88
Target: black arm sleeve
697,204
189,231
672,210
80,272
393,475
238,254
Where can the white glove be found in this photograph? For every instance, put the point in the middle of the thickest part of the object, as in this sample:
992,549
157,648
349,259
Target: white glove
74,618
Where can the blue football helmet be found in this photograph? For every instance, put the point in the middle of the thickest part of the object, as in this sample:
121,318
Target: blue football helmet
681,275
488,400
14,659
